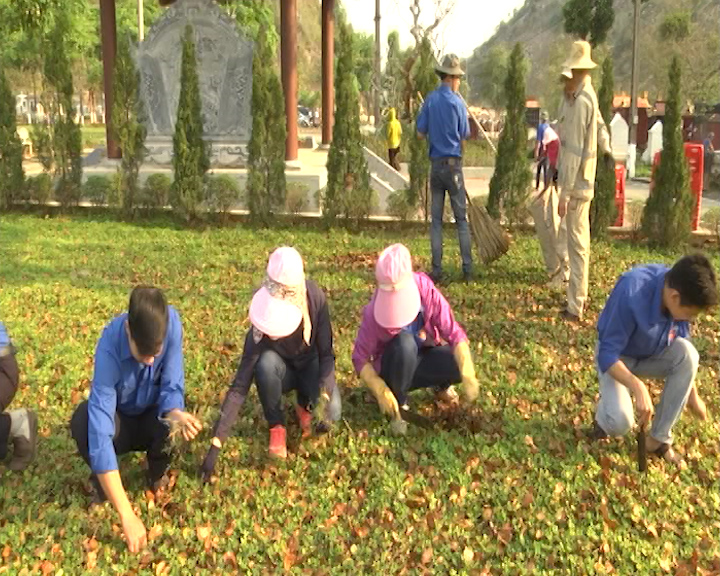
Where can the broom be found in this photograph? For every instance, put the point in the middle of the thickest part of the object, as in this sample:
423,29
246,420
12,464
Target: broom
490,238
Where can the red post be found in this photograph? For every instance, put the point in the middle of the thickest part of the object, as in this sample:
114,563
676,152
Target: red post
620,194
696,159
288,61
109,48
328,59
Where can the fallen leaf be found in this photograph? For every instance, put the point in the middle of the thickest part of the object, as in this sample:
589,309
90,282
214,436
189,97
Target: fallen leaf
426,555
468,555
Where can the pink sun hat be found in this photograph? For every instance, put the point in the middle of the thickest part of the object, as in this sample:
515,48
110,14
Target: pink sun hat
397,298
274,308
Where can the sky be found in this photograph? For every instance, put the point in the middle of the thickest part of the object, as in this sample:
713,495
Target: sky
469,25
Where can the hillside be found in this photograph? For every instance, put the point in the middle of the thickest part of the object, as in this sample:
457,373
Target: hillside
538,25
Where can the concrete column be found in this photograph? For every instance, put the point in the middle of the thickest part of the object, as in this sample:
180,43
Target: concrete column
328,61
109,48
288,62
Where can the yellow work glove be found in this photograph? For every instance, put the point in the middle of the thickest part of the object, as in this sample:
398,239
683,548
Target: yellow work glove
386,399
469,387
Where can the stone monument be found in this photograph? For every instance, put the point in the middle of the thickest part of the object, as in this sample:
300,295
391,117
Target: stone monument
619,137
654,143
224,67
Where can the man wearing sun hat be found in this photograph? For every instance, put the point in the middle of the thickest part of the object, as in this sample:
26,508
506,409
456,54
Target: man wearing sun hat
443,120
409,339
289,347
577,164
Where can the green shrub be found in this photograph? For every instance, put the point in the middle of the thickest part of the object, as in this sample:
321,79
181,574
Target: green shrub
222,193
42,144
668,212
40,188
97,190
190,153
155,194
297,197
398,206
711,221
12,178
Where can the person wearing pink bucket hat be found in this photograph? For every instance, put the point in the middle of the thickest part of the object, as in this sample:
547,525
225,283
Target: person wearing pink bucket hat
289,347
409,339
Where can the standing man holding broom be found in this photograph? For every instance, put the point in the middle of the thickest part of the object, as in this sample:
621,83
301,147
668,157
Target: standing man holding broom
443,120
579,136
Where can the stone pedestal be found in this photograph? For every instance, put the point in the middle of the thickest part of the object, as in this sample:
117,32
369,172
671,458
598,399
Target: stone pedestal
224,64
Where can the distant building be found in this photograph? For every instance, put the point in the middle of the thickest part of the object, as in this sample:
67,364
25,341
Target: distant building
621,105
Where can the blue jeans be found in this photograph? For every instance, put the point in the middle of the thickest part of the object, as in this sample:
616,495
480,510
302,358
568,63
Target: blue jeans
405,367
447,176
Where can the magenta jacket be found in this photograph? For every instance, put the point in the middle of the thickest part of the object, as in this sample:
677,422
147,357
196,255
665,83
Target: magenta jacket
440,325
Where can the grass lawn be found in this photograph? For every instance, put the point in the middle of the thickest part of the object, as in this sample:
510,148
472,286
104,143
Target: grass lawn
511,487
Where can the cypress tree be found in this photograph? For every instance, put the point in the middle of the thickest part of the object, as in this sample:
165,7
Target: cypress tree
266,187
65,133
667,216
348,192
128,124
190,152
425,80
510,182
602,210
12,177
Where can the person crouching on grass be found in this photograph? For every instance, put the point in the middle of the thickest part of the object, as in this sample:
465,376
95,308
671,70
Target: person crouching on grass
289,347
136,400
398,346
643,331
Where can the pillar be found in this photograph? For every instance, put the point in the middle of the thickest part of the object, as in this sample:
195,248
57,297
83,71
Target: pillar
328,59
288,62
109,48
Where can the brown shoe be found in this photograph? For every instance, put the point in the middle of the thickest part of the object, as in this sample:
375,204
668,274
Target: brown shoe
25,449
569,316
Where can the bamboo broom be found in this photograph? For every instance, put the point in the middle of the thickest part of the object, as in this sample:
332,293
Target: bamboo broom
490,238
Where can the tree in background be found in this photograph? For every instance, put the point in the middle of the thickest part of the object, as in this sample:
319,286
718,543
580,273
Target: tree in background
425,80
487,76
667,216
66,137
348,191
128,116
510,181
392,79
190,152
266,186
589,20
602,210
12,178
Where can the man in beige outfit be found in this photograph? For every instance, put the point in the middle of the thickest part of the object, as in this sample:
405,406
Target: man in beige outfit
581,130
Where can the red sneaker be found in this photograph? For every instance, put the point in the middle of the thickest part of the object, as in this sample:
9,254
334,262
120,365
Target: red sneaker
278,442
305,419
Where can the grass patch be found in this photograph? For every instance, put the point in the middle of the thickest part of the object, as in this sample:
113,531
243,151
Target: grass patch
511,488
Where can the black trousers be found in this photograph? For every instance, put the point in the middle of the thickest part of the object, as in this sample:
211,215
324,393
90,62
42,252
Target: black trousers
405,367
9,377
392,158
273,378
142,433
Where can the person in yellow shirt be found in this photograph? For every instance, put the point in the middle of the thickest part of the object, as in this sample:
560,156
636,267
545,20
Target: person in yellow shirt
581,131
394,134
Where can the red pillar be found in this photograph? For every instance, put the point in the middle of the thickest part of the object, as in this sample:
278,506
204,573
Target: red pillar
109,47
288,61
328,59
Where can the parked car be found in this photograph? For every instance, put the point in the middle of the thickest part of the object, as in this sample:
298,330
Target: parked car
305,119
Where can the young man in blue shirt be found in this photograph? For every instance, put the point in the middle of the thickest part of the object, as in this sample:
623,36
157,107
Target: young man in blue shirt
18,427
136,396
443,120
643,331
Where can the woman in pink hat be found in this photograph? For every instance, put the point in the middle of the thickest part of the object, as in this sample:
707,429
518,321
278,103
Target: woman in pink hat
409,339
288,347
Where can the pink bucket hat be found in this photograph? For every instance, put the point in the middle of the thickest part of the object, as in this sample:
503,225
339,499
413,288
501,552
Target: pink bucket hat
279,306
397,298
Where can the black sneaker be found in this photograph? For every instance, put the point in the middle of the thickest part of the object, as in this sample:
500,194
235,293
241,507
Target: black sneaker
437,277
569,316
467,277
597,433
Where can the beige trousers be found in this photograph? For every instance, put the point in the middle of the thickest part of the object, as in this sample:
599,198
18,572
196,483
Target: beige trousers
574,246
544,210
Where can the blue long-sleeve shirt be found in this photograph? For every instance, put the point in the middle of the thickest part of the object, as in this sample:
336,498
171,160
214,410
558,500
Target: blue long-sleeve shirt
443,118
122,384
4,337
633,322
